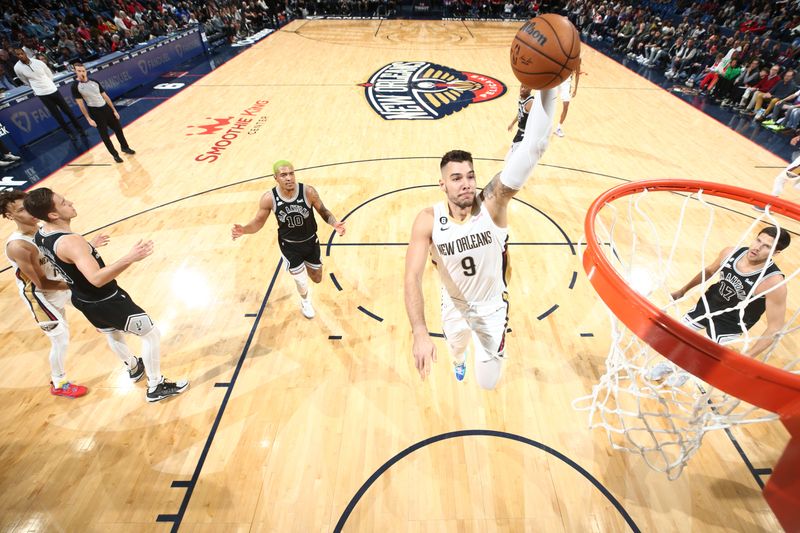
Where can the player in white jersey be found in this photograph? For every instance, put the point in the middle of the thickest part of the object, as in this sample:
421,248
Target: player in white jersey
44,292
466,238
567,90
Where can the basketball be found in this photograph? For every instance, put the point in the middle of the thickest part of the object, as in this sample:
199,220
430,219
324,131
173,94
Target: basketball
545,51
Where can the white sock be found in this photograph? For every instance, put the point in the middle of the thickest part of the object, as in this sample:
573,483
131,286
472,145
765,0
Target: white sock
116,341
151,355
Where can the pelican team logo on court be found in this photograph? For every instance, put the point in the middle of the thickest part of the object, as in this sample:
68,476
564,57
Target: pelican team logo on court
419,90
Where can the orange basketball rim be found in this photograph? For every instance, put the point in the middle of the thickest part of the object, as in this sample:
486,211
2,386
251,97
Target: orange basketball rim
757,383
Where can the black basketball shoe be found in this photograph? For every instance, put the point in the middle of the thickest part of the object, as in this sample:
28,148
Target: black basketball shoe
136,372
165,389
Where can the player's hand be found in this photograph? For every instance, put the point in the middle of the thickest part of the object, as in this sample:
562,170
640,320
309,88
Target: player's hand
237,231
116,115
677,295
510,126
100,240
339,227
795,140
424,354
92,123
140,250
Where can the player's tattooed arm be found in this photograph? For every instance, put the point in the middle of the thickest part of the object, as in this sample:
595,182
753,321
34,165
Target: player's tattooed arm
495,196
495,190
324,212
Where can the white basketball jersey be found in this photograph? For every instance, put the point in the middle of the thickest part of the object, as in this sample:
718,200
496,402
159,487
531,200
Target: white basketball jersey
22,280
470,257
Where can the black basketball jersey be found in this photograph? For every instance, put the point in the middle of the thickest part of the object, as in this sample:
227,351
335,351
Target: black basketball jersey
296,222
734,287
522,118
47,242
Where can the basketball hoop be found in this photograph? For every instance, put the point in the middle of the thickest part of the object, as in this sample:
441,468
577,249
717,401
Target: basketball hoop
662,422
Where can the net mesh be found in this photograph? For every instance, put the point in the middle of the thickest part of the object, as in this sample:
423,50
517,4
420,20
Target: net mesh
645,403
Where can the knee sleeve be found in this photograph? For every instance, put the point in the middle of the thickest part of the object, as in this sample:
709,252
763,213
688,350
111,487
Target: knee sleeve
488,361
301,280
153,334
487,373
116,341
60,338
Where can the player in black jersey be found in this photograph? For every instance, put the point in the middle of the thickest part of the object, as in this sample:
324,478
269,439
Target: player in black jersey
523,110
746,274
95,292
292,203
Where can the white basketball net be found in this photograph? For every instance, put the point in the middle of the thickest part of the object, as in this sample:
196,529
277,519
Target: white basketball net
663,415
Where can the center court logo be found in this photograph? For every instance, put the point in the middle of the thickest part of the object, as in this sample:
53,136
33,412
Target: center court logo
419,90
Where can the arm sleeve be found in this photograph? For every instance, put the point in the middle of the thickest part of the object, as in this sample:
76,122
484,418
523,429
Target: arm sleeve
75,92
537,135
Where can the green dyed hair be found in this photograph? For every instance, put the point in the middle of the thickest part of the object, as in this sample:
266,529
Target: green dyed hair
281,163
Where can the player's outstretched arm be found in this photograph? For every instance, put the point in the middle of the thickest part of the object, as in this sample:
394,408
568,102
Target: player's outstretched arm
521,163
703,274
74,249
26,256
775,311
264,209
100,240
423,349
324,212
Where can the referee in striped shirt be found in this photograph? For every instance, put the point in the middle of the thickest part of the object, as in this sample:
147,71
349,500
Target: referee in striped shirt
98,109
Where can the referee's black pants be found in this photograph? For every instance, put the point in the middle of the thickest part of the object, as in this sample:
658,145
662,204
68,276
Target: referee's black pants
55,103
105,119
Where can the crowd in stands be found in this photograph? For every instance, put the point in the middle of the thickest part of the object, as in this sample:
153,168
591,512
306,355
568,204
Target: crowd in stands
738,54
60,32
510,9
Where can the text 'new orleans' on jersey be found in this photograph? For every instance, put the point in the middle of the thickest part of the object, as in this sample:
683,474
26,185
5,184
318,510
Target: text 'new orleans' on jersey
732,288
47,242
296,222
470,257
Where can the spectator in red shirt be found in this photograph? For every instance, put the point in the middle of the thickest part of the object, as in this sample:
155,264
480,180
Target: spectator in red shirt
764,85
764,89
83,31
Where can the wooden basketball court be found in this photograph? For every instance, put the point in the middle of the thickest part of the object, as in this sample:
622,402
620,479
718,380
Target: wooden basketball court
287,419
